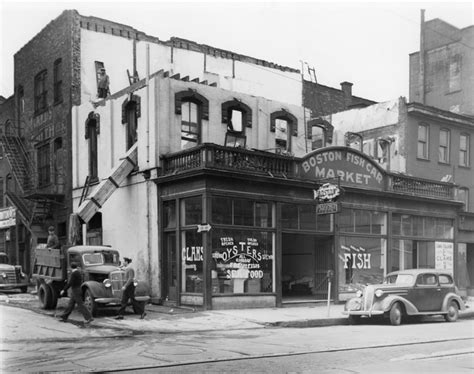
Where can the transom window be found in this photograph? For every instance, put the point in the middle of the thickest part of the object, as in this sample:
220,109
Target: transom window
423,141
464,141
444,140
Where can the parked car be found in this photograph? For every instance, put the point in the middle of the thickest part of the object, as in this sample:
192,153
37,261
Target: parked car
415,292
12,276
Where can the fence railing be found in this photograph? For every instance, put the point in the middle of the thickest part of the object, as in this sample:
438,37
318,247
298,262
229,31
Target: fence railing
420,187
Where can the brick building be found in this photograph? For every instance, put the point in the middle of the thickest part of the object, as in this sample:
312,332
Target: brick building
442,72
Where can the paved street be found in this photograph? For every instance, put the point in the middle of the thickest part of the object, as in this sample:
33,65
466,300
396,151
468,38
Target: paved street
33,341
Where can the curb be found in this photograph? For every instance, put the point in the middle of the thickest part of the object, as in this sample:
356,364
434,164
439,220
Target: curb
311,323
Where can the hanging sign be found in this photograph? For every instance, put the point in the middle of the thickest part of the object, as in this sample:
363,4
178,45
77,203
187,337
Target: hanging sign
7,217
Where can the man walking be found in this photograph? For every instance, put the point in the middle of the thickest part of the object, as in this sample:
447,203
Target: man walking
75,282
129,292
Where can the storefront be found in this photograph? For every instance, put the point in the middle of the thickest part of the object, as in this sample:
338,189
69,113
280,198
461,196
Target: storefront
234,239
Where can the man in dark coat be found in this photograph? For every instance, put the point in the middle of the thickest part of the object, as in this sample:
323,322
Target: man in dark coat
129,292
75,282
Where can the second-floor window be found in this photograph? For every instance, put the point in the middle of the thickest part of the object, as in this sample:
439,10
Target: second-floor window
463,195
58,81
423,141
40,92
190,125
44,160
443,152
92,131
354,140
284,125
464,143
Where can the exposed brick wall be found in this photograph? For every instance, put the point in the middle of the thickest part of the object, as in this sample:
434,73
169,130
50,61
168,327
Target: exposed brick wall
323,100
54,41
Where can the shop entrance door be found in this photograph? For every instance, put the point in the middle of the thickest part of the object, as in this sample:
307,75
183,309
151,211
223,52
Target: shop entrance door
306,260
170,270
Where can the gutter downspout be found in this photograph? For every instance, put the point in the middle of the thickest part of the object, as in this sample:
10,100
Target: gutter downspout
147,181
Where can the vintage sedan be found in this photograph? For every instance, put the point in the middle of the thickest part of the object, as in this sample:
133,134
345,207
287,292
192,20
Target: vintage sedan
415,292
12,276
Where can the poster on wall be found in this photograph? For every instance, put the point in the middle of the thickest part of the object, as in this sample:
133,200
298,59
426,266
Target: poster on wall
444,253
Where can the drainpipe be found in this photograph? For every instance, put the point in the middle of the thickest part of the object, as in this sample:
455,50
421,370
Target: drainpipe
422,56
147,181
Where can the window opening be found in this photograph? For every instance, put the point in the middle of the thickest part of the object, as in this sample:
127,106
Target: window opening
423,144
58,81
43,154
443,151
40,92
190,125
464,141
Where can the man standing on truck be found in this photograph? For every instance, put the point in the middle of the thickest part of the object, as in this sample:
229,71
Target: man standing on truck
53,241
129,292
75,282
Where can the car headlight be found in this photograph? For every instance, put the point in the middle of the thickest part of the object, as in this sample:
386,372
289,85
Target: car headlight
4,275
359,293
135,283
107,283
378,293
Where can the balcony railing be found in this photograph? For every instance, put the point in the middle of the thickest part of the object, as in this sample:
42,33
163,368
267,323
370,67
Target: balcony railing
235,159
212,156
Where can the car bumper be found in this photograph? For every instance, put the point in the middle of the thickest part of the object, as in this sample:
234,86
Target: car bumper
363,313
12,286
115,301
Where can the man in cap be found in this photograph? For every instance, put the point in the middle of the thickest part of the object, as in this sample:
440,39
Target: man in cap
75,282
53,241
129,291
103,84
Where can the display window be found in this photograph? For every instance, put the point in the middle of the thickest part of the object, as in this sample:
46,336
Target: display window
241,212
192,259
243,261
304,217
361,262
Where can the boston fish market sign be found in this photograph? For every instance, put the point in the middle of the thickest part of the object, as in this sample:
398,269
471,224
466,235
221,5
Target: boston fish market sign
351,166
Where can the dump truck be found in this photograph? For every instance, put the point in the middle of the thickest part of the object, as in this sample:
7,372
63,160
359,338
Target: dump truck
103,277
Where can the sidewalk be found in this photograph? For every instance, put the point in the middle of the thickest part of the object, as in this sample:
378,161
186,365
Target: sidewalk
168,319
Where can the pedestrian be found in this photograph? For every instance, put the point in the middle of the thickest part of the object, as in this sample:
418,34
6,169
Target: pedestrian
103,84
129,291
53,241
75,282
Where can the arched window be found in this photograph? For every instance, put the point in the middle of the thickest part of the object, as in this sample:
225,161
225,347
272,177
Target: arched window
284,125
92,130
320,132
131,111
237,116
193,108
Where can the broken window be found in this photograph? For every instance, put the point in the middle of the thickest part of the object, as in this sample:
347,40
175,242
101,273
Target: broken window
353,140
190,125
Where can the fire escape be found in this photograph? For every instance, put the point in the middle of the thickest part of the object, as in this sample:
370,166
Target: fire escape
33,205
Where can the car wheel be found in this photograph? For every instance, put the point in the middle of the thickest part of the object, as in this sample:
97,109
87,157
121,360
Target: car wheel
453,312
354,320
24,289
90,303
45,296
396,314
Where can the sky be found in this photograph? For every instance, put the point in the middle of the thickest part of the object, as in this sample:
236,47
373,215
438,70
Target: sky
365,43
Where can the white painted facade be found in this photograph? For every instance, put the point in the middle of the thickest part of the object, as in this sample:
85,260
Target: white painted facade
130,217
231,74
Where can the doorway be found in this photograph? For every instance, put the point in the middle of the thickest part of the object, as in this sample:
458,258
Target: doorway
170,270
306,260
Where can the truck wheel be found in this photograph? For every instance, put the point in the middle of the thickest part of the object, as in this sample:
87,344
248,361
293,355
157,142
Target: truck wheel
453,312
90,303
396,314
54,297
45,296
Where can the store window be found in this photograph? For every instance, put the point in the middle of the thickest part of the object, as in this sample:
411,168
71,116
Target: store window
169,214
241,212
243,261
304,217
363,221
432,248
192,259
191,211
361,262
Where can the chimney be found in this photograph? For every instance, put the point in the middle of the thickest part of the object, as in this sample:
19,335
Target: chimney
346,88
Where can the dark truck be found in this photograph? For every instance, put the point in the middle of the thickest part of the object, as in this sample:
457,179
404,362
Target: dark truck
11,276
100,265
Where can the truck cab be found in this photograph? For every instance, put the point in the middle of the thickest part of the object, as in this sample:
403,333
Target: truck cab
12,276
